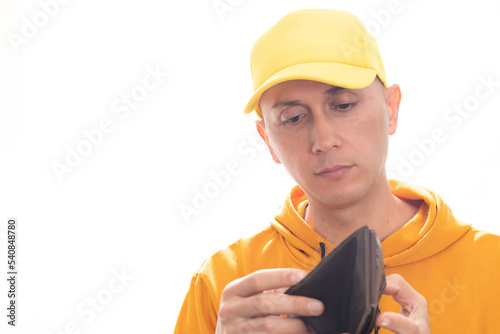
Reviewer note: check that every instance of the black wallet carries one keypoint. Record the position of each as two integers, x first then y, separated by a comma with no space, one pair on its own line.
349,281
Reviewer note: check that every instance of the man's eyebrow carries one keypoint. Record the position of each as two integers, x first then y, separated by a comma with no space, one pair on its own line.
333,90
287,104
330,91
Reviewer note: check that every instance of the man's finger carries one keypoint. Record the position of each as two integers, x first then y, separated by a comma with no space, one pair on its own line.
404,294
263,280
278,304
413,317
400,324
270,325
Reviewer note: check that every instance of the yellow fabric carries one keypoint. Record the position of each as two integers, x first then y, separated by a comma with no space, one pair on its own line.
455,267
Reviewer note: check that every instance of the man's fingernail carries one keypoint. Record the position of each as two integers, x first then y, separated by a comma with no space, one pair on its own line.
385,322
315,307
297,277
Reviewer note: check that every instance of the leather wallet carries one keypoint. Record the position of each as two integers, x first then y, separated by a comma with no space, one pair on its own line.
349,281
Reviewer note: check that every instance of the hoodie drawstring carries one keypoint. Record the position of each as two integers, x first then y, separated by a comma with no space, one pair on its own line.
322,245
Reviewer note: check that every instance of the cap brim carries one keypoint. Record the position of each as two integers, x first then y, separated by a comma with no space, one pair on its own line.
341,75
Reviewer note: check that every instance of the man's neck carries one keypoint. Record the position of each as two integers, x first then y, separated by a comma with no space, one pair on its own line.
382,212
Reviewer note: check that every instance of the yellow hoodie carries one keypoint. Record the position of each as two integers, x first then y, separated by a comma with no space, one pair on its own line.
455,267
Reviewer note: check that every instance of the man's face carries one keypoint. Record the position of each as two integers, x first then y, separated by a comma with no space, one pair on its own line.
333,141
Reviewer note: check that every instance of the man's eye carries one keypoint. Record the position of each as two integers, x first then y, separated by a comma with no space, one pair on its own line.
344,106
293,119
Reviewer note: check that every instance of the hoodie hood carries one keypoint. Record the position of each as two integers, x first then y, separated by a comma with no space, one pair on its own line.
431,230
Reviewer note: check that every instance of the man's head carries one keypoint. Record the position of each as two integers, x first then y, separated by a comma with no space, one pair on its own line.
326,111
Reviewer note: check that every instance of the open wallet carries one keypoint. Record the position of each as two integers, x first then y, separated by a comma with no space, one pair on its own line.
349,281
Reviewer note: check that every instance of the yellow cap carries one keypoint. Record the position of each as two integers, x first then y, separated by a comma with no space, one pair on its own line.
325,45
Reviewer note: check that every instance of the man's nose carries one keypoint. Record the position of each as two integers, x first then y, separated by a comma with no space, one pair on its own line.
324,135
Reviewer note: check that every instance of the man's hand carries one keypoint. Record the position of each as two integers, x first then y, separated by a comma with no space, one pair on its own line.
414,317
254,303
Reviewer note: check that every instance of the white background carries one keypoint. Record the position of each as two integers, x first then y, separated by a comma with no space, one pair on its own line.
118,210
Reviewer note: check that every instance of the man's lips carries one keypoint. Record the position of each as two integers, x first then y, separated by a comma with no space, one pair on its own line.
334,172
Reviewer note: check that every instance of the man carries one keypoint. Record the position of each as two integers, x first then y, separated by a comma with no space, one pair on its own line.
326,112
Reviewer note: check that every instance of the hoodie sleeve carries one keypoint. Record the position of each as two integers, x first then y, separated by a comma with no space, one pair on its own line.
198,313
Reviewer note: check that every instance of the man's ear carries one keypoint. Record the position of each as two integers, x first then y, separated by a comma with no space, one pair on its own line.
393,99
261,129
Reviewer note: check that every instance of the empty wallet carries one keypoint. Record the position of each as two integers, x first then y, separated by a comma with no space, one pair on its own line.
349,281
